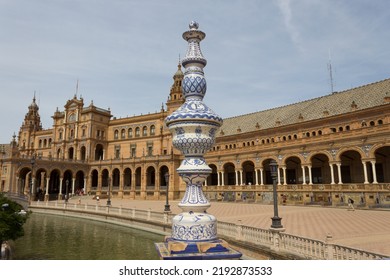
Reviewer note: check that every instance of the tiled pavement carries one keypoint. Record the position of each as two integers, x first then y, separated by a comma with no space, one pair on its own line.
362,229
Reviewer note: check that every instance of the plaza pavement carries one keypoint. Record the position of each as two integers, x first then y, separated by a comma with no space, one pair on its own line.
364,229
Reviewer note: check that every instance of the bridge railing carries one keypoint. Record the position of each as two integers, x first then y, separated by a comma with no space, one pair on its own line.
274,241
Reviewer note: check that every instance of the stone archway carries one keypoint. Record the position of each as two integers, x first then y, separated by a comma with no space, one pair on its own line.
138,177
127,178
79,183
248,168
163,170
212,179
294,170
99,152
229,174
54,184
382,165
94,178
351,167
116,175
150,178
320,169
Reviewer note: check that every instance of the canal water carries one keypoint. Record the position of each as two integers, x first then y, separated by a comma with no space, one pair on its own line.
51,237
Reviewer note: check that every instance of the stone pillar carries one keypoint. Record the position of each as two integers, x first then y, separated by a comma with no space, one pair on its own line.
42,180
303,175
60,193
237,183
85,186
241,178
331,174
310,176
47,189
365,172
339,173
133,184
374,172
73,185
257,177
218,178
223,178
279,176
33,182
261,177
100,183
284,175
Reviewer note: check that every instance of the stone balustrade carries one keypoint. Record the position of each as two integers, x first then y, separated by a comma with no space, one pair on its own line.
278,243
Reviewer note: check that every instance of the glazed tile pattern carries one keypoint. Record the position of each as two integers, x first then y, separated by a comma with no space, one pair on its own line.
193,128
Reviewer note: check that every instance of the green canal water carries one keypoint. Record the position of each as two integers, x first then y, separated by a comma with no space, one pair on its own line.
51,237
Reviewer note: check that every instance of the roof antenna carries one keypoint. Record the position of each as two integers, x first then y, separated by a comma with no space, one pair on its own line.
330,74
77,87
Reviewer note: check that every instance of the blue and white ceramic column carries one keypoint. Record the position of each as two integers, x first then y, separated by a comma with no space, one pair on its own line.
193,127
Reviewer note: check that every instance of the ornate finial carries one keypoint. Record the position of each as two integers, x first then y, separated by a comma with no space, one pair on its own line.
194,25
193,127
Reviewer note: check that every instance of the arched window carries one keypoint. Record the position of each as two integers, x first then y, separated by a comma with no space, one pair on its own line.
137,132
144,131
130,133
123,134
116,133
152,130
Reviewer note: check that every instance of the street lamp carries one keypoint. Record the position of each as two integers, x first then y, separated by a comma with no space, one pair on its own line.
167,206
66,192
276,220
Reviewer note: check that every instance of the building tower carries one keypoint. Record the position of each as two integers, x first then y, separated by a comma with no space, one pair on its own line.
31,124
193,127
175,99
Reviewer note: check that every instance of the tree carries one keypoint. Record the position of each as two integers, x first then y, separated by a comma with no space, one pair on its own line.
12,219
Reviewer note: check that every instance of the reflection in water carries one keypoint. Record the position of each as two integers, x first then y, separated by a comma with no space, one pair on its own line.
50,237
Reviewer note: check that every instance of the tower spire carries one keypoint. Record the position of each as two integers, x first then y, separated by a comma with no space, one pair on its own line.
175,99
330,74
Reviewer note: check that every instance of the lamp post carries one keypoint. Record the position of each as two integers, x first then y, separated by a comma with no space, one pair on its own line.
66,191
167,206
32,179
276,220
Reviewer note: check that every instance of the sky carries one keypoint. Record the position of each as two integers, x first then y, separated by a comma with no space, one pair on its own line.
123,54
